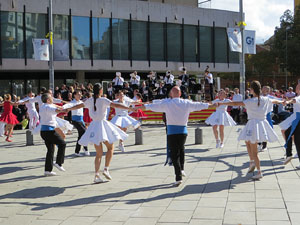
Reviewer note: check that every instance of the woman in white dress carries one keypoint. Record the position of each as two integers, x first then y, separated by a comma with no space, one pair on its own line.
257,128
220,118
100,130
122,119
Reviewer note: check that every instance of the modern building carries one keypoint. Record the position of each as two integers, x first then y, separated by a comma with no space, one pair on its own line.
296,3
106,36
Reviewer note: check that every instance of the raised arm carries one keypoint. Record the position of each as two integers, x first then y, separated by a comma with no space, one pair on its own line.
277,102
231,103
120,106
79,106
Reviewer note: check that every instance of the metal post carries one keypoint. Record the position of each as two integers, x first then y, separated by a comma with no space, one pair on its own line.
51,67
242,55
138,136
29,138
286,58
198,136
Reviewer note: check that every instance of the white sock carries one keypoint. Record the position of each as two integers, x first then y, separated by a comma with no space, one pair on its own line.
106,168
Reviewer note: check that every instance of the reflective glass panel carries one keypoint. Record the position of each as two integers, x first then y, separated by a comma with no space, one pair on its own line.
35,28
101,38
32,85
61,27
174,42
157,41
18,88
220,45
5,87
234,57
139,40
190,43
120,39
205,44
12,35
80,37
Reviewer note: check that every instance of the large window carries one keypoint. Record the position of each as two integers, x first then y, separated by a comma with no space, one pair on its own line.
18,88
101,38
120,39
139,40
234,57
32,85
205,44
35,28
174,42
157,41
12,35
81,37
220,45
61,27
190,43
5,87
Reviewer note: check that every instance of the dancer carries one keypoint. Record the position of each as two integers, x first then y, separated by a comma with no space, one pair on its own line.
291,126
100,130
177,113
257,128
8,117
32,112
220,118
139,114
86,116
122,119
48,112
77,121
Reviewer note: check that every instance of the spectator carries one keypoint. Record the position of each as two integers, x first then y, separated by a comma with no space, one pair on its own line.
161,91
134,80
168,80
210,80
290,94
127,90
118,82
236,110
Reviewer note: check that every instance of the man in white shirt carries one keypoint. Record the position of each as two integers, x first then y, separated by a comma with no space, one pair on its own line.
135,80
235,111
209,78
169,80
31,110
118,82
177,112
290,94
48,112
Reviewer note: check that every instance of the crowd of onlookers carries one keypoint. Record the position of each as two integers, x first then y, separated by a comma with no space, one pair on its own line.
157,87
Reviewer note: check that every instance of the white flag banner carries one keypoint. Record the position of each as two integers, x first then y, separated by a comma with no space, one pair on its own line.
235,39
249,42
41,49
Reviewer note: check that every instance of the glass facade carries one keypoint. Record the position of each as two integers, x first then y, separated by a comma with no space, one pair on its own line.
101,38
174,42
12,35
139,40
80,37
157,42
60,27
205,44
32,85
5,87
190,43
220,45
117,46
18,88
35,28
120,39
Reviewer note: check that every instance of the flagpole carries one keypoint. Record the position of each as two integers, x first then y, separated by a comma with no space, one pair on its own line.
242,55
51,66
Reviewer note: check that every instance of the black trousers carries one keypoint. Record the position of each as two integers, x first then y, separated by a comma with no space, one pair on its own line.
176,145
290,142
52,138
211,91
81,129
235,114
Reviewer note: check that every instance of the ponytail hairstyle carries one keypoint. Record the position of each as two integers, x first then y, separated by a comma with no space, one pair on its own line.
255,85
96,89
7,97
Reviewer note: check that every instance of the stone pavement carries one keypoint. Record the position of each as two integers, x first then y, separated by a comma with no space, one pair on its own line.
217,189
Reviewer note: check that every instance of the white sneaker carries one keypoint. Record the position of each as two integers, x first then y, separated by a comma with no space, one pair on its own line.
251,167
177,183
183,173
60,168
287,160
49,173
77,154
87,153
264,149
296,155
97,179
218,144
221,145
107,175
121,147
257,176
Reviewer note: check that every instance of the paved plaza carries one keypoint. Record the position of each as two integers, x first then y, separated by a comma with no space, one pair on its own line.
217,189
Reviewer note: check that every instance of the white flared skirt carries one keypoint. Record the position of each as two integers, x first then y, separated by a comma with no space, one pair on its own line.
64,125
284,125
125,121
258,131
101,131
220,118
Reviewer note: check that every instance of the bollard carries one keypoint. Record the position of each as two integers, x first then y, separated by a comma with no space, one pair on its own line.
29,138
138,136
198,136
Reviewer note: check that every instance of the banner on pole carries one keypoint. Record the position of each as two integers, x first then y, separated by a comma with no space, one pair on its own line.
41,49
235,39
249,42
61,50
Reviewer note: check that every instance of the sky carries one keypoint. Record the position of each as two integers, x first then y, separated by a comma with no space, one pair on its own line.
260,15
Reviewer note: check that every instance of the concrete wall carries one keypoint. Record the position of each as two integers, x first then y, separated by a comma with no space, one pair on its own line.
122,9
